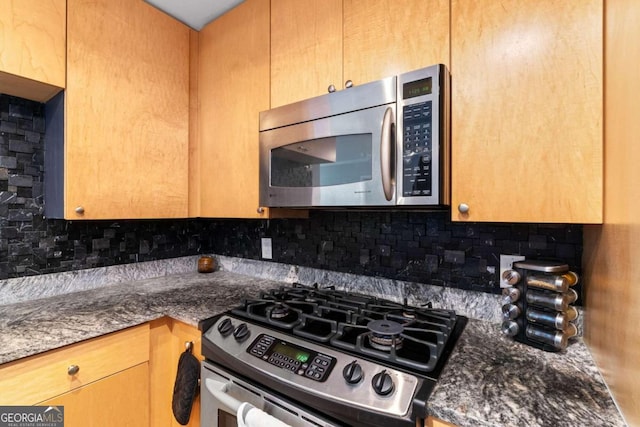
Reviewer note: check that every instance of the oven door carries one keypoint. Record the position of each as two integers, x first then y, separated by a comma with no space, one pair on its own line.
226,401
342,160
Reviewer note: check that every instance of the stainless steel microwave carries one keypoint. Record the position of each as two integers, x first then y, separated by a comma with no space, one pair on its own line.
384,143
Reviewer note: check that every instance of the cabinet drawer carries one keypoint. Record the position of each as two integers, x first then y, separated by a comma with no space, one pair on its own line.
34,379
119,400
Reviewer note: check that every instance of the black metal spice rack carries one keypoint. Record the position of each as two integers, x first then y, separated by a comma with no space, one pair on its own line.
547,337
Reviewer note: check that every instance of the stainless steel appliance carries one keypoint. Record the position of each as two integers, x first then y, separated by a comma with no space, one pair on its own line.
384,143
321,357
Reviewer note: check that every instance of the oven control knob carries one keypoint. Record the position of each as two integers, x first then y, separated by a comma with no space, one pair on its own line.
352,373
382,383
225,327
241,332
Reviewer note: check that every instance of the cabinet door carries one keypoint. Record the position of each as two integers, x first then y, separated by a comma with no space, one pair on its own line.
233,87
127,111
32,48
119,400
306,49
168,339
527,110
383,38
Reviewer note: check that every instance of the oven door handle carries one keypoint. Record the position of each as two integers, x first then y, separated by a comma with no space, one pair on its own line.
250,415
219,391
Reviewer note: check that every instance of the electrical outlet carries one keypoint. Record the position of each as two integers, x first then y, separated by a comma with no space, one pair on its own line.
506,263
267,249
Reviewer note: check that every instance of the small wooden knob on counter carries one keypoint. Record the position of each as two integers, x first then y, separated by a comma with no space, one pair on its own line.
206,264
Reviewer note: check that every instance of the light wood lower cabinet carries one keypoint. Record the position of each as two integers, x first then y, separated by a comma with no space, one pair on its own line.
168,338
433,422
119,400
37,378
101,382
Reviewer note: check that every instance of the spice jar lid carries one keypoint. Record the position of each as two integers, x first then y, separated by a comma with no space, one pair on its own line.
542,265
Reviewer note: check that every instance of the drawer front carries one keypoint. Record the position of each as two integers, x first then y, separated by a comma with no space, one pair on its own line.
120,400
40,377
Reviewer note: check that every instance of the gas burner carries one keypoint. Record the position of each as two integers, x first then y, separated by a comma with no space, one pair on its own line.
385,334
279,311
409,313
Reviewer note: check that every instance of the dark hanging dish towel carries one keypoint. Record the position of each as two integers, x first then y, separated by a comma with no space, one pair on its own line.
185,388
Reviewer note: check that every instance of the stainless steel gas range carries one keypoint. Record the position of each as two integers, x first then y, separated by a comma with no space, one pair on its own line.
309,356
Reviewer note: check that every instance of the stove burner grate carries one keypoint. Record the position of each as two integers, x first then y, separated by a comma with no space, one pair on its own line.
404,336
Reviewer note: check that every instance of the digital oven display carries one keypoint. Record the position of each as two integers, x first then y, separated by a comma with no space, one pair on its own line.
292,352
417,88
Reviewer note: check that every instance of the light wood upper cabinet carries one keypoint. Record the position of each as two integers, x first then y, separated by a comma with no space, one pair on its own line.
306,49
317,44
527,110
32,48
126,112
233,87
383,38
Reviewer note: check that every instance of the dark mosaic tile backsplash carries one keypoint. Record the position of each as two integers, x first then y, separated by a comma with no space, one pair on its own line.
418,246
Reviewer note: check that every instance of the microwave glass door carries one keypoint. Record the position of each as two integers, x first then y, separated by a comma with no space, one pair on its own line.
334,161
323,162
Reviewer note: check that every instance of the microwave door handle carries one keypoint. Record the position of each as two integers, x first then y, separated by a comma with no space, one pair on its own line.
386,153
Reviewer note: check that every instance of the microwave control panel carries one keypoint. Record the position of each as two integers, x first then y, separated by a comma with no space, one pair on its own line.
422,157
417,149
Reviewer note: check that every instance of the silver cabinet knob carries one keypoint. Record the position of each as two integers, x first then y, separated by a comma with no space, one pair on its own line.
79,210
348,84
73,369
260,210
331,88
463,208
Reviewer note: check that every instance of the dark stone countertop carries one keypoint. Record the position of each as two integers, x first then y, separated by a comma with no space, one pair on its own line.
33,327
489,379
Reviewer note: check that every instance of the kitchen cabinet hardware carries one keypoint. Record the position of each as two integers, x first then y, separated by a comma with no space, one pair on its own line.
463,208
260,210
73,369
348,84
79,210
331,89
